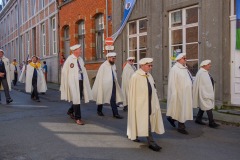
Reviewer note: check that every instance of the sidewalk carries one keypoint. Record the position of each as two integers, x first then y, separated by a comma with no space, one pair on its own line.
224,116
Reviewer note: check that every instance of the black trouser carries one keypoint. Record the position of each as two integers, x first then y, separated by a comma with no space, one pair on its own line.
112,102
150,137
15,78
209,113
180,125
35,91
76,108
5,86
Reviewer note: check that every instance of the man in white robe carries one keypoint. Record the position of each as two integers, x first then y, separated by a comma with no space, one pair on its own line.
127,73
14,71
106,88
144,113
75,83
35,82
203,94
179,101
22,77
5,80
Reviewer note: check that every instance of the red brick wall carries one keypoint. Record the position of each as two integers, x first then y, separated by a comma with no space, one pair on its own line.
76,10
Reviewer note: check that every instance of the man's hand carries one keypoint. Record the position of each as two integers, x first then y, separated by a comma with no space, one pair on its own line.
2,74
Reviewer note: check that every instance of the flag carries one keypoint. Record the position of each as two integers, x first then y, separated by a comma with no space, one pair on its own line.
238,24
128,7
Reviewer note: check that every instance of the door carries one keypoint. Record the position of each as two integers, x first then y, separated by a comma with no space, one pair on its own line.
235,65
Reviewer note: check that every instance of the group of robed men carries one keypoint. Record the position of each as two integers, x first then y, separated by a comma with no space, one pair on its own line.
31,74
138,93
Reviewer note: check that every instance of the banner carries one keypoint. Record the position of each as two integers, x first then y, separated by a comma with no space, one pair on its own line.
128,7
238,24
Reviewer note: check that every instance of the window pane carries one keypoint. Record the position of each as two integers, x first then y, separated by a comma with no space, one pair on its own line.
143,42
192,15
142,54
192,34
133,43
143,26
176,19
192,51
177,37
132,28
193,67
133,54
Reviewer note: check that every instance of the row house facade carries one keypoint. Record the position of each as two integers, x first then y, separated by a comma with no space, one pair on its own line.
202,29
29,27
87,23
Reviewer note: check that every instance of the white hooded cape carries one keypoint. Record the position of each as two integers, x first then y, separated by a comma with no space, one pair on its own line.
41,83
22,77
70,82
8,72
126,76
138,111
179,102
102,87
203,92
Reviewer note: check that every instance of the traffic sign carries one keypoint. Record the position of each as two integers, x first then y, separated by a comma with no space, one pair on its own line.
109,41
109,48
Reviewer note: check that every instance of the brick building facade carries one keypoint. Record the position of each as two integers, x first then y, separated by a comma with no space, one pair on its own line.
29,27
88,23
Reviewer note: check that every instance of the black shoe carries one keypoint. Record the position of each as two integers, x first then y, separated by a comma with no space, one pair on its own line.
125,109
154,147
37,100
9,101
171,121
100,113
118,116
183,131
214,125
200,122
136,140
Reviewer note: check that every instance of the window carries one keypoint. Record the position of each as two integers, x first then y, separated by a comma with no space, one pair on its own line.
26,10
43,39
41,4
16,12
54,36
33,7
22,48
66,41
81,36
28,43
137,39
183,36
99,31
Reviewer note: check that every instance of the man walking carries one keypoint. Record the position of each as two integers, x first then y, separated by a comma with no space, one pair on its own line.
14,71
127,73
179,102
75,83
35,82
5,80
106,88
45,70
203,94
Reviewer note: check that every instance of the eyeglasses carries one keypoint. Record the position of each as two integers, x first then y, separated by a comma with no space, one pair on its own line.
184,58
131,60
113,57
150,65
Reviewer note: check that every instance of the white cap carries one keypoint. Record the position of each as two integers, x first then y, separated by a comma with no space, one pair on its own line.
111,54
29,59
129,58
205,62
76,46
181,55
145,61
1,51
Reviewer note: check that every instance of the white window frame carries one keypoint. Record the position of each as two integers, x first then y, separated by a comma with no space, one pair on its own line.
43,39
137,35
183,27
54,35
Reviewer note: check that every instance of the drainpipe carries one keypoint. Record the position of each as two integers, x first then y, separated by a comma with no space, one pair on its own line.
58,31
106,18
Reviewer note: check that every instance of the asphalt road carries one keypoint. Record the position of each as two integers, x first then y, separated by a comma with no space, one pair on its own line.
42,131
